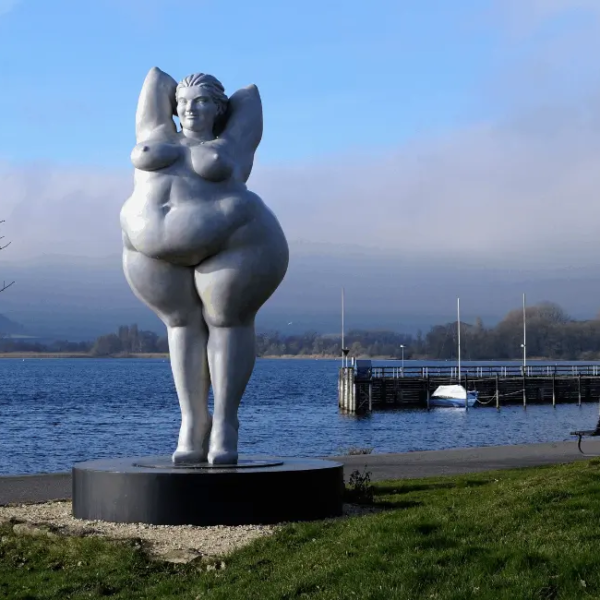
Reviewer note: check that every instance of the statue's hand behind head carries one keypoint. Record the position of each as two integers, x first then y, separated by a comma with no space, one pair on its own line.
244,126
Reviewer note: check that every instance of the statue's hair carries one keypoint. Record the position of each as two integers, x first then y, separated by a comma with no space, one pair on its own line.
213,86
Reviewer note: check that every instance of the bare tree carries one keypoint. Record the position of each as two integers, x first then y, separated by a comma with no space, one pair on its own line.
4,284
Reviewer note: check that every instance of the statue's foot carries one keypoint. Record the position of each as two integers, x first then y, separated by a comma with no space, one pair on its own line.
193,443
223,444
187,457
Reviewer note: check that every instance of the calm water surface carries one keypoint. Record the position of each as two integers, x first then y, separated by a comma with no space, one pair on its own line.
54,412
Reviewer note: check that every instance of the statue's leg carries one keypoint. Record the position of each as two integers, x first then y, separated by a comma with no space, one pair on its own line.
233,285
170,292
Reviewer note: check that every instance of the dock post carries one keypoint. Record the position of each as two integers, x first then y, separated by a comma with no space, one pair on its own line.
352,389
351,398
497,392
524,389
579,389
341,396
428,393
347,398
554,390
347,394
370,394
466,392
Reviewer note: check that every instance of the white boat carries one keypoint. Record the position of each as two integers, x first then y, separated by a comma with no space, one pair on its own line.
453,396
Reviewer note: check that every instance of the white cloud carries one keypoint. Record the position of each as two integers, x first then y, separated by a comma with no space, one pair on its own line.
520,192
55,210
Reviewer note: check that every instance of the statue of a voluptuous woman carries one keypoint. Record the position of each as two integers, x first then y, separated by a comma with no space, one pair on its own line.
201,250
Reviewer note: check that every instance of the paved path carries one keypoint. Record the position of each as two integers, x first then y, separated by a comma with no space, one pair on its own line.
55,486
412,465
34,488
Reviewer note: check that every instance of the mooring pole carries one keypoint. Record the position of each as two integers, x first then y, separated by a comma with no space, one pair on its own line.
497,391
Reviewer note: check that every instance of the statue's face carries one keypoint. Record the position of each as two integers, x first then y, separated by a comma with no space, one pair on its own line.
196,109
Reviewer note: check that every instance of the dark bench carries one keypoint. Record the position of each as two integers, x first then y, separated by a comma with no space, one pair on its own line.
587,433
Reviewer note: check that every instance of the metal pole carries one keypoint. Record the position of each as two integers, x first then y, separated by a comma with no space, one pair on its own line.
343,346
458,327
524,335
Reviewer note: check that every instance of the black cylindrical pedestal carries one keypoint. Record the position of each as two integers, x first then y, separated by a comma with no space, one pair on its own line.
259,490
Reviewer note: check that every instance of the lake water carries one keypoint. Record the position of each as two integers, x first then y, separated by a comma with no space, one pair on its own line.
54,412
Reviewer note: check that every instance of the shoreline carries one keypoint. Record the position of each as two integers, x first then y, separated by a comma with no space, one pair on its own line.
48,486
165,355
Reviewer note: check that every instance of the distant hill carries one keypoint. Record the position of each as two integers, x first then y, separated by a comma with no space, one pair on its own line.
8,327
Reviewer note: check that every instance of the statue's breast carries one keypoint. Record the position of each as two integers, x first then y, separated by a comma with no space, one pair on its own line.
151,156
211,161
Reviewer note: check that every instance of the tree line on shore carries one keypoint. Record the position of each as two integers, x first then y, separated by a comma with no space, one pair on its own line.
551,334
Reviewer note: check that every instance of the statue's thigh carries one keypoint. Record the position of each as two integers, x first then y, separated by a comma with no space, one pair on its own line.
234,284
167,289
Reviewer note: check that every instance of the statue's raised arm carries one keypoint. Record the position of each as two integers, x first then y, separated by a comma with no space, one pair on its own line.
244,127
156,106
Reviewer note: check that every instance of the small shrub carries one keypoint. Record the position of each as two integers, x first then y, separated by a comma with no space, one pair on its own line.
359,489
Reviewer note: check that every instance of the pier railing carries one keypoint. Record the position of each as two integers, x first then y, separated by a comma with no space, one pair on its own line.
474,372
367,387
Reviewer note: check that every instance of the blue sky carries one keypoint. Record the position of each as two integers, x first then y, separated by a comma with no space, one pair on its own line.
334,75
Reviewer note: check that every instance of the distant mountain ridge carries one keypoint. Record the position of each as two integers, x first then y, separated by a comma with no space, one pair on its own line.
9,327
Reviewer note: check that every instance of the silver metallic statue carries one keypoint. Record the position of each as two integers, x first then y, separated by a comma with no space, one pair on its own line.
201,250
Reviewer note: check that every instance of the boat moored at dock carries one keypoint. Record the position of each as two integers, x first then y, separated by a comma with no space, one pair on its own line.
453,396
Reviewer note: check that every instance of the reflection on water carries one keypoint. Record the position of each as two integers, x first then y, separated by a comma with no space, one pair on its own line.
55,412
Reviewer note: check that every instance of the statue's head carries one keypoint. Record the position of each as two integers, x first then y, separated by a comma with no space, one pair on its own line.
201,102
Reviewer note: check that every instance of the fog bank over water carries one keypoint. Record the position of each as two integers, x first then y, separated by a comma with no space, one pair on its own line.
82,297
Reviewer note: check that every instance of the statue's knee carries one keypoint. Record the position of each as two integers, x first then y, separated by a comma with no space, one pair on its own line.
181,319
222,319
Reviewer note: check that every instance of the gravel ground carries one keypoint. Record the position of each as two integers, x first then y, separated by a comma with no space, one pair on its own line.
181,543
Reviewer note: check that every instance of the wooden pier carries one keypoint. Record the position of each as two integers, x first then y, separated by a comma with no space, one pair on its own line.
363,388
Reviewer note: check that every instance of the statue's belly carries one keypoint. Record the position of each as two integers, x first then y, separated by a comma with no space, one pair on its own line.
184,226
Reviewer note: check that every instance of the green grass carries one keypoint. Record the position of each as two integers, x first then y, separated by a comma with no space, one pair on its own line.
522,534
